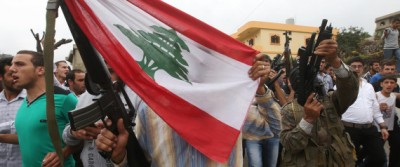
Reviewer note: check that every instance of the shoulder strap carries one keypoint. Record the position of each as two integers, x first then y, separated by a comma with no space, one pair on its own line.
48,54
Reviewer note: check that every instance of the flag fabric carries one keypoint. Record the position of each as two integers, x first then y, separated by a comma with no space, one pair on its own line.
192,75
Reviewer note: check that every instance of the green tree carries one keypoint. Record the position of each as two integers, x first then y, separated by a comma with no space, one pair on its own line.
350,40
162,50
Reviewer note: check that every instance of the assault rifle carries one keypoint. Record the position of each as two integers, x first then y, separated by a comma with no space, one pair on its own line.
287,53
276,65
309,65
109,104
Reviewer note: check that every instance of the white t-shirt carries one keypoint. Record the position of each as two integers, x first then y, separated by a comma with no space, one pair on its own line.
389,114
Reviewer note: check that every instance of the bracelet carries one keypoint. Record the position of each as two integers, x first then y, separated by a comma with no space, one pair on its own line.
265,94
384,127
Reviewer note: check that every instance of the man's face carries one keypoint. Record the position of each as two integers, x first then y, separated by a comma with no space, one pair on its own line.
329,71
24,73
376,67
8,80
396,24
78,85
358,68
389,69
388,85
62,70
322,65
283,75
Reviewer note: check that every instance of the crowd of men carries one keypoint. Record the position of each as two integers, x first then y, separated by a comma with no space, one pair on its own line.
348,126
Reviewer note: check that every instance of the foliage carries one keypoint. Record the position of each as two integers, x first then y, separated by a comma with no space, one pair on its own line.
350,39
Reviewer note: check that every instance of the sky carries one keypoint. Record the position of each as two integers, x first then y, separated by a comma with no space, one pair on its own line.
17,17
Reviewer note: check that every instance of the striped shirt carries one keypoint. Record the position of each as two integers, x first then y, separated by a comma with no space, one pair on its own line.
264,120
10,153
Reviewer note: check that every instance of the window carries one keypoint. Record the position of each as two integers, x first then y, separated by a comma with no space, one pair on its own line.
275,40
251,42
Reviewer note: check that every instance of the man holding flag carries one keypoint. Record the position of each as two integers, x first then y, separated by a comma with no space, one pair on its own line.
166,148
193,78
177,64
169,149
182,154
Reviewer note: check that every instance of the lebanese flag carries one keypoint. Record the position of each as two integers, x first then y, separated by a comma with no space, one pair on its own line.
192,75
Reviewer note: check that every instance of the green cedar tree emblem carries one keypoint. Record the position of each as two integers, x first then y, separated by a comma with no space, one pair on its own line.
162,50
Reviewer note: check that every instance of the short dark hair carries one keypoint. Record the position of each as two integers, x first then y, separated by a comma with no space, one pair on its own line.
356,59
60,61
371,62
37,57
5,61
389,76
71,75
388,62
396,19
327,66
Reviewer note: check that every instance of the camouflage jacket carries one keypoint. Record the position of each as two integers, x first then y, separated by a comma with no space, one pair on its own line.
327,145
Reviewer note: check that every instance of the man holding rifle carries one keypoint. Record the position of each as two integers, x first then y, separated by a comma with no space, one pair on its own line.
313,135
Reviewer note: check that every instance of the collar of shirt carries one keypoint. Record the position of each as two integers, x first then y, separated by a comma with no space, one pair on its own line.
21,95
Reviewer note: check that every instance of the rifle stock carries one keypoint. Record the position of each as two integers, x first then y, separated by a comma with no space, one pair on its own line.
309,65
110,104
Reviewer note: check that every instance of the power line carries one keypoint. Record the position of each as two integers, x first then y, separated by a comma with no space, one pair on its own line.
251,12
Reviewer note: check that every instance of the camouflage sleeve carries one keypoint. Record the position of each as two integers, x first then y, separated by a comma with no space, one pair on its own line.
292,137
263,120
346,93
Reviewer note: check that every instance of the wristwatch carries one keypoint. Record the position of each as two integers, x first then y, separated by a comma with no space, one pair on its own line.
383,127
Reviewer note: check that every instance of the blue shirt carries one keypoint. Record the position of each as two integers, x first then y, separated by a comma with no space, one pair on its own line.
375,78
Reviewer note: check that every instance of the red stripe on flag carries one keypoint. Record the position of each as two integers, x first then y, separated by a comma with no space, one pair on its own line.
207,134
197,30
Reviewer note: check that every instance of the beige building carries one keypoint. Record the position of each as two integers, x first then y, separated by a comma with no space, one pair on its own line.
268,37
384,22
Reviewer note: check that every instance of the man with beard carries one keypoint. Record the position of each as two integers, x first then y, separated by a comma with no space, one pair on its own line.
10,100
76,81
374,68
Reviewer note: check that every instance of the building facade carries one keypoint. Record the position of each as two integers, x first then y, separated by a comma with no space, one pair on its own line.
269,38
